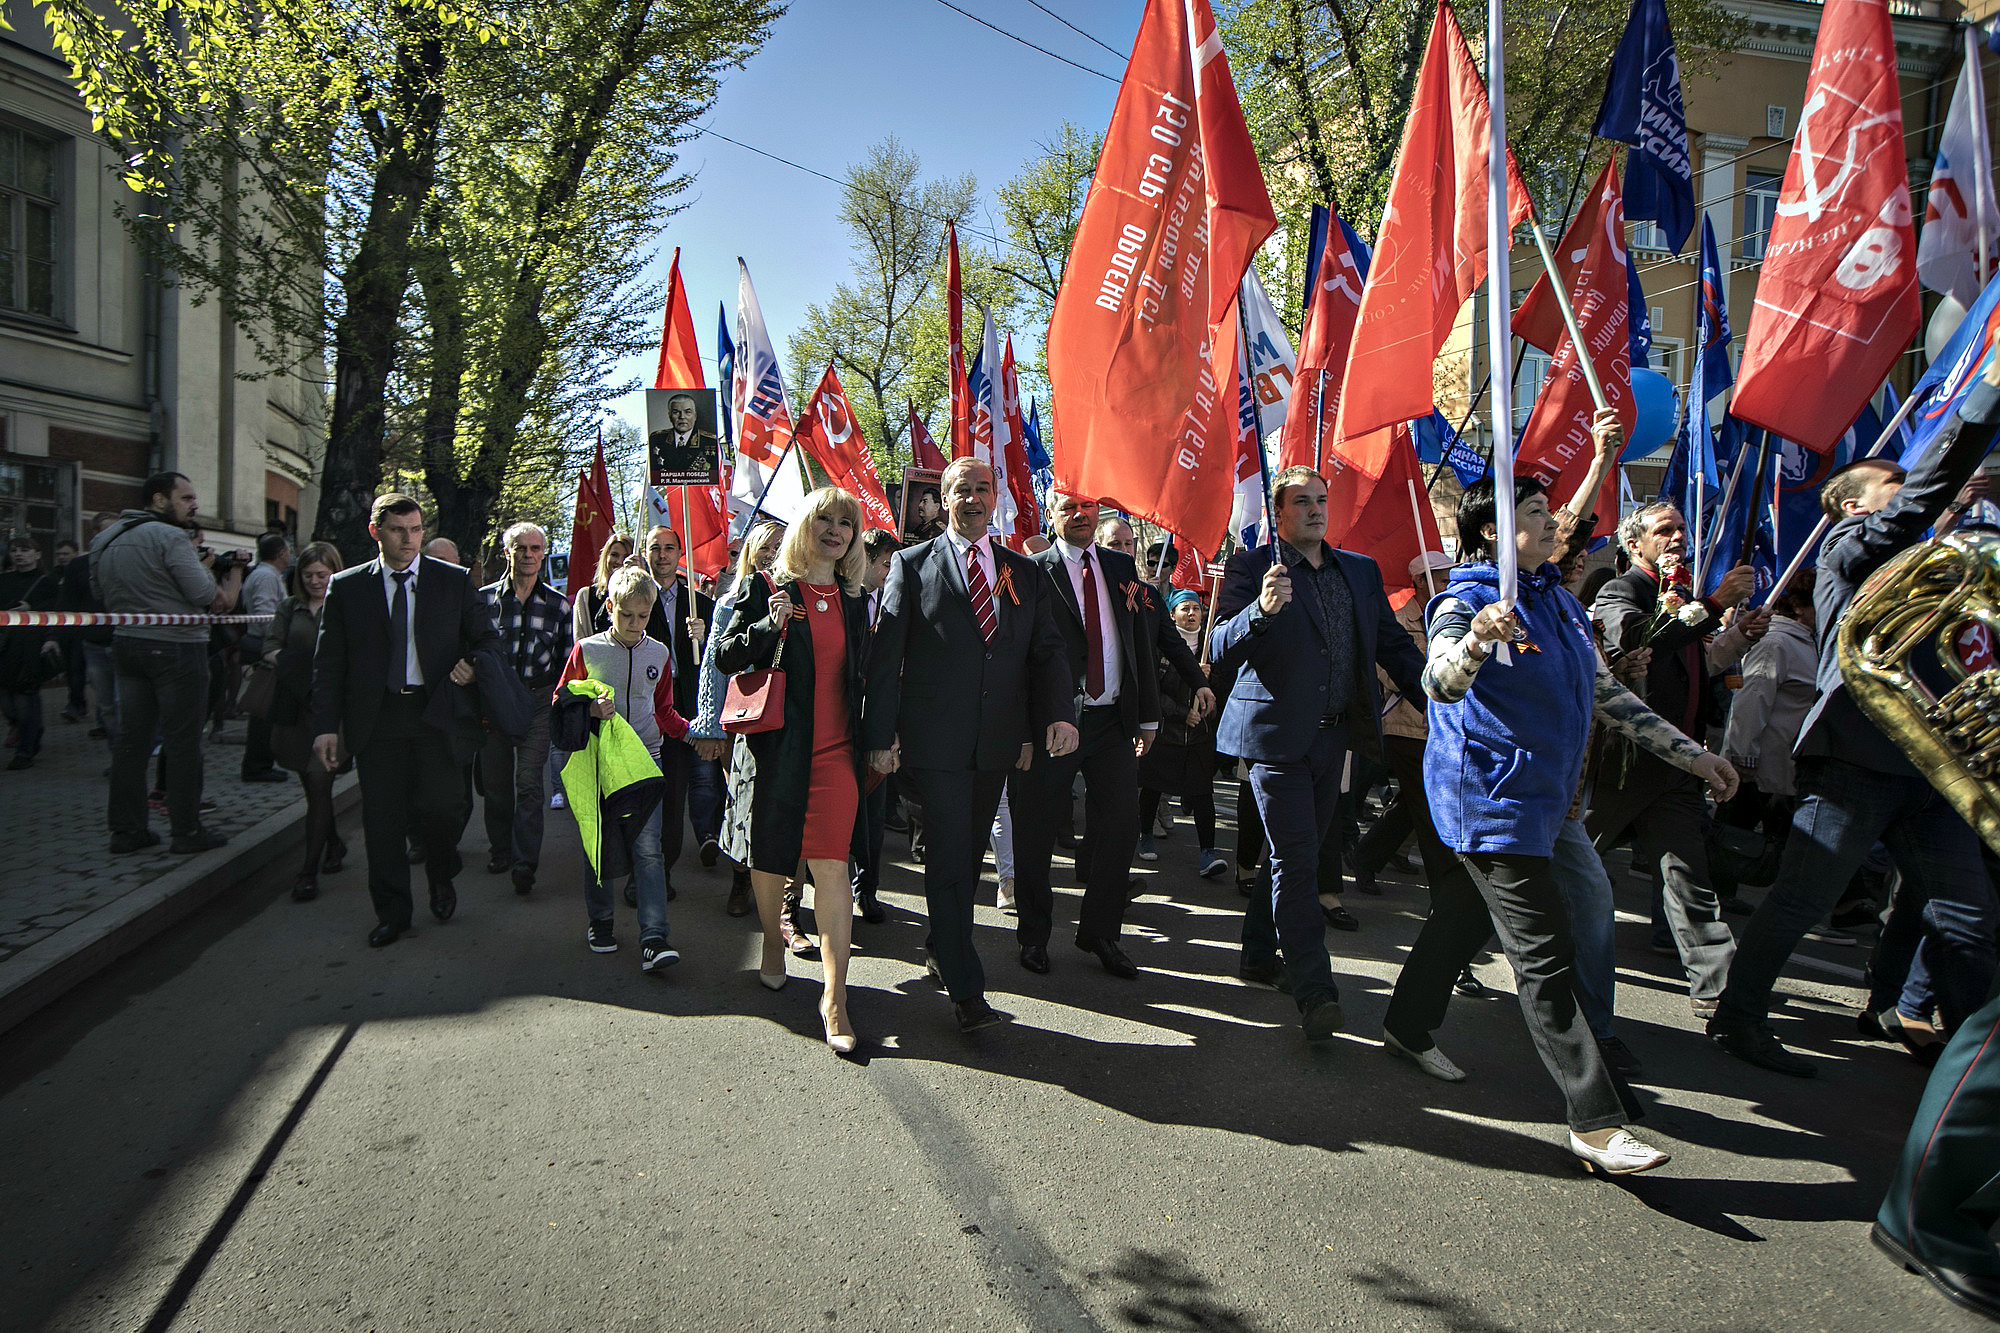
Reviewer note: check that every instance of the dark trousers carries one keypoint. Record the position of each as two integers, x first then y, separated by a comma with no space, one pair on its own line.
1110,772
1664,810
1453,935
75,674
958,806
676,760
707,794
515,801
163,690
1525,905
1845,809
867,846
1405,758
409,783
1945,1198
257,756
1296,802
23,709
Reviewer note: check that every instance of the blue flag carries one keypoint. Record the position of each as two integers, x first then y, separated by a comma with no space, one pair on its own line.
1639,317
1727,528
1951,376
725,373
1031,432
1642,107
1797,473
1713,316
1437,442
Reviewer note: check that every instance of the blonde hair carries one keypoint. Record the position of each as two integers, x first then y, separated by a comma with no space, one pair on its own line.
795,556
754,546
603,579
630,584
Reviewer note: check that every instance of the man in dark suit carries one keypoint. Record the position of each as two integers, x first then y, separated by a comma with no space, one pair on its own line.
694,785
1303,627
1856,784
967,673
394,632
1102,610
1663,808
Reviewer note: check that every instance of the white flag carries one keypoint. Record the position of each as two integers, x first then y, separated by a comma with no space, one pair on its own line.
990,431
1273,363
1961,207
782,490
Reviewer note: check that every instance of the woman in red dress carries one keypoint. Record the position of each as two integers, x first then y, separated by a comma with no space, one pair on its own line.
794,790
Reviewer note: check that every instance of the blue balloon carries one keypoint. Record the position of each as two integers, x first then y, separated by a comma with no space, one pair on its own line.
1653,406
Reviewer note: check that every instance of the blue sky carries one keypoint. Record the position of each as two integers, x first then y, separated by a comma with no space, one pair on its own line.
835,77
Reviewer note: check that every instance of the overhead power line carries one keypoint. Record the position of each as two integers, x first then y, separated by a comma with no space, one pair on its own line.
1073,28
1016,37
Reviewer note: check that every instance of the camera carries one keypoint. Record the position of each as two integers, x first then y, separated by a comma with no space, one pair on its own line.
227,561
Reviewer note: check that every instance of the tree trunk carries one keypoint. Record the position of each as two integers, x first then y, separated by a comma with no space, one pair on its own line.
444,312
364,338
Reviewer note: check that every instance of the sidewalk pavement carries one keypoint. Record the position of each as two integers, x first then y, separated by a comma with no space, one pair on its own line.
68,908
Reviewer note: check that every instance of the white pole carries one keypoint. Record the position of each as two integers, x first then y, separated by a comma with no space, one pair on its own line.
1417,513
1499,291
1982,167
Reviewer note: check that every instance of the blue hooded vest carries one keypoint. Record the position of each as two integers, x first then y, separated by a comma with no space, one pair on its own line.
1503,763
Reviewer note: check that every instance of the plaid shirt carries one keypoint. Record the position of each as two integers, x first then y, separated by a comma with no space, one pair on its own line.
537,632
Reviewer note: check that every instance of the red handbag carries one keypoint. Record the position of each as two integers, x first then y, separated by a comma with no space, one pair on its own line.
755,700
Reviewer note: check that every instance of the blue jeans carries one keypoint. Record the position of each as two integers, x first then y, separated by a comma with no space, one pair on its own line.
649,879
1296,802
706,797
163,688
515,797
1586,894
1845,810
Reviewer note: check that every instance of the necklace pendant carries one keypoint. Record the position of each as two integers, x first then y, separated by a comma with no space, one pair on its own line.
820,605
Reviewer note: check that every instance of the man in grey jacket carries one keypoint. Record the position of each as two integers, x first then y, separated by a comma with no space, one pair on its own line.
145,563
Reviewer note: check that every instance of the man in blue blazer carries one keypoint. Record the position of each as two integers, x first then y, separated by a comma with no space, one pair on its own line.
1303,626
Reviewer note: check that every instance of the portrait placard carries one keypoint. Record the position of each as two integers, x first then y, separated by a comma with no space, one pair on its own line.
681,445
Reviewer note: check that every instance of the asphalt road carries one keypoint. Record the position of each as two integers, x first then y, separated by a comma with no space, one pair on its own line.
261,1124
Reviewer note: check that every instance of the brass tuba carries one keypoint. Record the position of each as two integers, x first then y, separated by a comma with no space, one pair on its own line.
1928,596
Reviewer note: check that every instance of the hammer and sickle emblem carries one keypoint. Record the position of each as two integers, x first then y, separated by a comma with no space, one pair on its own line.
1815,196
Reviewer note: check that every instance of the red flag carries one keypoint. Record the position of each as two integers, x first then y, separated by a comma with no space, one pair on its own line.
1323,347
1431,252
1590,262
1837,296
961,389
1142,344
1387,518
834,442
1188,566
680,355
923,449
696,515
1027,510
593,524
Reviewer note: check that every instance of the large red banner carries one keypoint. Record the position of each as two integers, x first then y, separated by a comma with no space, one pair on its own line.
593,523
1311,422
1141,347
834,442
1837,296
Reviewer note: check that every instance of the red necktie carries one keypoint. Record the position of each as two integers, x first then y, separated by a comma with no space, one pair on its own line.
1093,633
982,597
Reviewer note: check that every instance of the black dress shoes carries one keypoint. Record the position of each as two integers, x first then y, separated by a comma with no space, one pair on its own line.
444,900
1975,1291
1321,1019
1339,918
384,934
499,863
871,907
976,1014
1035,957
1260,972
1108,953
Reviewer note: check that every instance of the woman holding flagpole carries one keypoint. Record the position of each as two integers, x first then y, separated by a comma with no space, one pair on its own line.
1502,771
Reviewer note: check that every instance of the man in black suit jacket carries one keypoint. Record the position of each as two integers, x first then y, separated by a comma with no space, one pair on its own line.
694,785
1664,809
967,672
1102,609
395,631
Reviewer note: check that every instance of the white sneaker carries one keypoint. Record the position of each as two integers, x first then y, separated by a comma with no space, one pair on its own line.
1006,902
1432,1062
1622,1156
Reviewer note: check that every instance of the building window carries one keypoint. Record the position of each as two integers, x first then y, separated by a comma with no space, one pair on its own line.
28,213
1760,210
38,497
1528,383
1646,235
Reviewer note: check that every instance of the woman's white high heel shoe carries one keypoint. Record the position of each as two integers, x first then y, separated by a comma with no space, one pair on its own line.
1622,1156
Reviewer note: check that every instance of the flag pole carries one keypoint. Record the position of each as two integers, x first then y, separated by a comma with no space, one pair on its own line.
1722,510
1570,325
1819,530
1418,514
1982,154
1499,290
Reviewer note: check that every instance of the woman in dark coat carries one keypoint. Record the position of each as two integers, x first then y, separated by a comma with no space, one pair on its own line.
1182,760
288,649
794,790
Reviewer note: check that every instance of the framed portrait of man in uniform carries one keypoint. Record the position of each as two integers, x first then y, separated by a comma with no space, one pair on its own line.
922,514
681,447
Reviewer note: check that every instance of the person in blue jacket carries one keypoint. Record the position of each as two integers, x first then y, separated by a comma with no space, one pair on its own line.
1503,770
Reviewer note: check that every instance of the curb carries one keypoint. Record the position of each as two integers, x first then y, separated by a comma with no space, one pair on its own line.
44,971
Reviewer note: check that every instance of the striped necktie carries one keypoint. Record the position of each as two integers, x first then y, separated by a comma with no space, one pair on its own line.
982,596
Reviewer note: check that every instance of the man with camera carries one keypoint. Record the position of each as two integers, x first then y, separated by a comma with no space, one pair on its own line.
144,563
